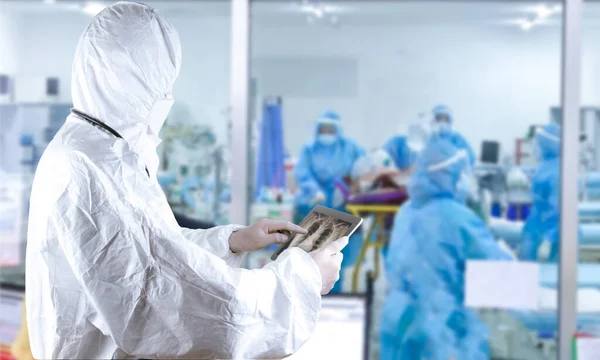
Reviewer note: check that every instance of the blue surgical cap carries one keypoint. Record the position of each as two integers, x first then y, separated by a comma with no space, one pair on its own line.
437,170
330,118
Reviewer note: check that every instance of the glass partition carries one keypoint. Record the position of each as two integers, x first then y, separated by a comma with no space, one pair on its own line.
588,293
37,44
435,122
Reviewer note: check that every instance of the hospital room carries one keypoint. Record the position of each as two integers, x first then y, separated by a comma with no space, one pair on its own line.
453,147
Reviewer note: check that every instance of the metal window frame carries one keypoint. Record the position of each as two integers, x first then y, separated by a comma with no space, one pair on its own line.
240,95
569,217
570,103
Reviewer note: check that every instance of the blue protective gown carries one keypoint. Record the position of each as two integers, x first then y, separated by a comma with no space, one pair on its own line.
398,149
453,136
544,218
317,170
424,316
320,166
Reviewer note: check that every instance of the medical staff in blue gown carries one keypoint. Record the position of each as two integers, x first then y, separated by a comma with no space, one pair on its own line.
324,161
434,235
400,152
442,125
540,233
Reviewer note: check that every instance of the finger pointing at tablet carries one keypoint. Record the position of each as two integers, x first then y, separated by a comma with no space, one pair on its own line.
277,226
262,234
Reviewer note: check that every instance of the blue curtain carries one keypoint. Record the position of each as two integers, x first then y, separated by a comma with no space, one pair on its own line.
270,168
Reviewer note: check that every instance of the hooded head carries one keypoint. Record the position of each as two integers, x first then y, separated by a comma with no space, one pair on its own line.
441,119
438,170
328,129
547,139
442,113
125,65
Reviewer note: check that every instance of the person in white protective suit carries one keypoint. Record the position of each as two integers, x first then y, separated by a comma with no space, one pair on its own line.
110,274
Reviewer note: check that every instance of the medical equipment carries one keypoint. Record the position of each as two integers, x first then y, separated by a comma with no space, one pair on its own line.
589,244
490,152
25,130
590,186
342,330
194,171
29,154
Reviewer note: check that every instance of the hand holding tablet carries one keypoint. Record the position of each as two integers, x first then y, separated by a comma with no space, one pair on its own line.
324,226
329,260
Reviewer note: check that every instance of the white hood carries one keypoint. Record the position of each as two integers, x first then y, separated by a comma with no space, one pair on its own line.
122,67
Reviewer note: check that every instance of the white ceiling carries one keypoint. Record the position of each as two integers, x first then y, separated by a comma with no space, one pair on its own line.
354,13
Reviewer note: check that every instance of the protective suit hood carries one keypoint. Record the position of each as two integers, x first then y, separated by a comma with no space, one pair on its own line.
443,110
126,60
436,173
548,141
330,118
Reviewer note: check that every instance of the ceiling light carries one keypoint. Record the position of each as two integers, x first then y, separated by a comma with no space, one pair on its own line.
93,8
49,1
526,25
544,11
319,12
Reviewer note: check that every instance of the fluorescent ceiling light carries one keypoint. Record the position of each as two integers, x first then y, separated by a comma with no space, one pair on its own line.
527,25
93,8
545,11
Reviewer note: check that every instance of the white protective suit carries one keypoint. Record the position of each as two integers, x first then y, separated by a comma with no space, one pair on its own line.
110,274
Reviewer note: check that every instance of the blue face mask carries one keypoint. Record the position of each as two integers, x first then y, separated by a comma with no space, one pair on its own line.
326,139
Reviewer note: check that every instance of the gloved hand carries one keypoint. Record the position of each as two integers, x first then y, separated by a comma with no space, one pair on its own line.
329,260
262,234
318,198
543,252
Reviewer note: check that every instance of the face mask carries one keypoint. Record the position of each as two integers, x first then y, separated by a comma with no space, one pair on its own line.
441,128
159,113
326,139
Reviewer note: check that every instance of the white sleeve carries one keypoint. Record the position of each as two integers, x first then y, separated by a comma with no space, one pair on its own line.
158,297
216,241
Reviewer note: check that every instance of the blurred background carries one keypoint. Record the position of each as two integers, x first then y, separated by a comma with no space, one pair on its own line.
378,77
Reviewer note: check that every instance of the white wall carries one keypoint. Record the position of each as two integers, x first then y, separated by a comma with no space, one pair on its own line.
8,47
498,79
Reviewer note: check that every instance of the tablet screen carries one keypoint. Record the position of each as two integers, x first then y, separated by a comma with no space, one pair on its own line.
324,226
322,230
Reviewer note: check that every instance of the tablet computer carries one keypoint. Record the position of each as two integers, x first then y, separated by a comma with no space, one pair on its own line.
324,226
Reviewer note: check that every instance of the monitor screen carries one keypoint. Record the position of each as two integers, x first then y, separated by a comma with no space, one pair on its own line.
490,152
340,332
